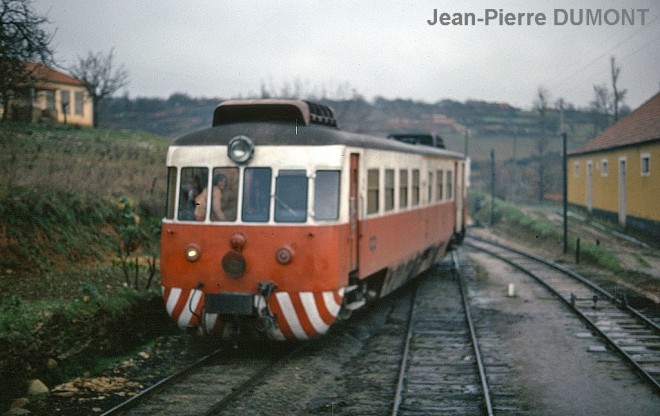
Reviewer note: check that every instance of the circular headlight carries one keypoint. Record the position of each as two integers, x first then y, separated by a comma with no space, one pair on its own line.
192,253
240,149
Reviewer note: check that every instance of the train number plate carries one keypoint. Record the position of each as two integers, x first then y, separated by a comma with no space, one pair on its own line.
229,303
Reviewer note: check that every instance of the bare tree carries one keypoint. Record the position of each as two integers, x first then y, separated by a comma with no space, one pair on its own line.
601,107
542,106
617,94
101,78
22,39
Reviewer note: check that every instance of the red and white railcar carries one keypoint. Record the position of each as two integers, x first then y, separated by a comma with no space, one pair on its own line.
278,222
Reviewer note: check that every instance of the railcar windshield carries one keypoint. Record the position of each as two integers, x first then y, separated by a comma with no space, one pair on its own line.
291,196
196,203
256,194
326,195
193,181
212,194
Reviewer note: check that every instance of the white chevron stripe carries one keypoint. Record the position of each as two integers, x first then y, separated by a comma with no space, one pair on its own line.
330,303
191,303
210,319
290,315
309,303
172,300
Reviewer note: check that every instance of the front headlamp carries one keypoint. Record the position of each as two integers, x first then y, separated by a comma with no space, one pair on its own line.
240,149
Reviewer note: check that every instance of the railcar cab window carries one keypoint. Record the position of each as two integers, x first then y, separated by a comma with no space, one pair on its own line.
256,194
193,181
225,194
326,195
291,196
171,192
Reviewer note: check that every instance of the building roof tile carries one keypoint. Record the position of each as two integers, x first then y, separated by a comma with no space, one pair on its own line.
641,125
45,76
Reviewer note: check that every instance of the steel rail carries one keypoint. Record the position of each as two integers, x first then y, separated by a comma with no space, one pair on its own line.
619,302
404,357
627,357
473,335
128,404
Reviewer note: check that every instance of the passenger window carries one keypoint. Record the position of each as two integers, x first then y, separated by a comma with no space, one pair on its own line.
256,194
225,194
403,188
449,186
372,191
193,182
415,187
430,188
326,195
440,175
389,189
291,196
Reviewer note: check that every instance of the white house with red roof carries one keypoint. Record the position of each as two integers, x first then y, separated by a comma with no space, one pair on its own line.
51,96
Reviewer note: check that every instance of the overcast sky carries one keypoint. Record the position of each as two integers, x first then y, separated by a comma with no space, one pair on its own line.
222,48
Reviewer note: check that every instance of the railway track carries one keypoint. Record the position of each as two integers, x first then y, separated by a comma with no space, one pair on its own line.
206,387
633,336
441,369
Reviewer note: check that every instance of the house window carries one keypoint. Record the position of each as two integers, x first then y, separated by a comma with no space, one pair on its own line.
372,191
78,98
403,188
603,167
65,98
389,189
646,164
576,169
415,187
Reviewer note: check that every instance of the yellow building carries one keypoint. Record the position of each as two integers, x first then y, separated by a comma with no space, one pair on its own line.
617,173
51,96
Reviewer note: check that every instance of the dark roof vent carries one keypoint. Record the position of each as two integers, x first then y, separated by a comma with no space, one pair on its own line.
426,139
291,111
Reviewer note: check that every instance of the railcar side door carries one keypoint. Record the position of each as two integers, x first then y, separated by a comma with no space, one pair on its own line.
353,214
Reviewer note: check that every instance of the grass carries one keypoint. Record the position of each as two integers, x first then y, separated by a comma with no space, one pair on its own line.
508,215
76,207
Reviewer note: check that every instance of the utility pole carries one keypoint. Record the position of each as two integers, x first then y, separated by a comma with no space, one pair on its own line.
515,166
467,140
565,191
492,187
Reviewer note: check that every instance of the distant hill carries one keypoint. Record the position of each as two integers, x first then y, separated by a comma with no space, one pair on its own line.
181,114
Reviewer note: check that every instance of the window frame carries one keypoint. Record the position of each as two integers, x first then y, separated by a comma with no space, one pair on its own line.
645,164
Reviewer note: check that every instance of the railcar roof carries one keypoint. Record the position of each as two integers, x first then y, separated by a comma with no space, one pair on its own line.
288,134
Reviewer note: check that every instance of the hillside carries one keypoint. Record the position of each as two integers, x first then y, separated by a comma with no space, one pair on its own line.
486,121
62,191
